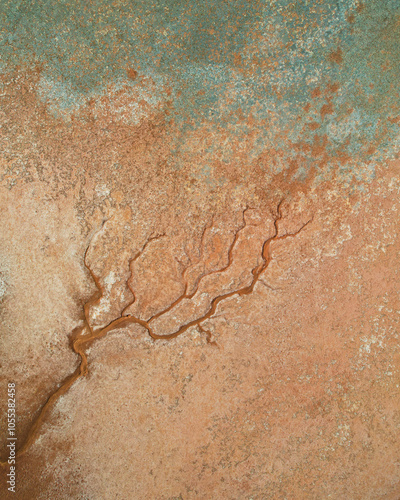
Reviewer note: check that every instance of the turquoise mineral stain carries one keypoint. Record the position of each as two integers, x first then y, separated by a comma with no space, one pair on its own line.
225,60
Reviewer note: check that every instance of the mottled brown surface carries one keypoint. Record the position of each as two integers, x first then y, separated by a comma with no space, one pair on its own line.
288,391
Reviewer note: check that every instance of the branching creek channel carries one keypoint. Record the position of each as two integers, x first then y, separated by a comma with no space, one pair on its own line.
81,342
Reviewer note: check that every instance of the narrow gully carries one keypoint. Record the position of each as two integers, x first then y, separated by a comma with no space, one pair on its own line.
81,342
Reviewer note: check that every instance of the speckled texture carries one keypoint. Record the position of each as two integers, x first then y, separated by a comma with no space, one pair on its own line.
199,257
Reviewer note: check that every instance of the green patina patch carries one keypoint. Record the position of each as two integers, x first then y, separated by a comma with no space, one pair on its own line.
308,73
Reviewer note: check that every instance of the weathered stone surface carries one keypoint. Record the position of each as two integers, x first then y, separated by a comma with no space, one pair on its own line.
199,250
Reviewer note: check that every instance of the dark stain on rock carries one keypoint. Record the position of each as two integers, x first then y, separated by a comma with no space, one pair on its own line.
336,56
132,74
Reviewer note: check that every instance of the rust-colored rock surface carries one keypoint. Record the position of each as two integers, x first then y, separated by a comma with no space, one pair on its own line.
199,252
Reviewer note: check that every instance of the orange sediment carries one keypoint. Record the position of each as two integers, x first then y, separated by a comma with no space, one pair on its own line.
81,342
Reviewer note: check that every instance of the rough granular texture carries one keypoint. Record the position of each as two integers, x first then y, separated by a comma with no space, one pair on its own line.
199,259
